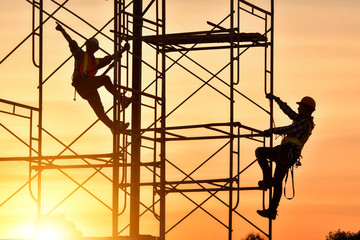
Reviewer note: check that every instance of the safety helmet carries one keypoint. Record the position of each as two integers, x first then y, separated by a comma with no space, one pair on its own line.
93,41
308,101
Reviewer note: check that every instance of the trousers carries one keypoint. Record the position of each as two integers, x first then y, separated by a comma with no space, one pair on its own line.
87,88
284,156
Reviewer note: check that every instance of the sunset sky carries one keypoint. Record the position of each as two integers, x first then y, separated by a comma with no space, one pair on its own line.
316,54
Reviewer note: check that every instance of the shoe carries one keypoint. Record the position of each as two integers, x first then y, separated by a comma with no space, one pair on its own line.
126,102
267,213
264,185
120,127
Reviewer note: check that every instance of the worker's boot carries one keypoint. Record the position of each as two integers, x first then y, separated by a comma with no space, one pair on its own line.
267,181
268,213
120,127
265,185
126,102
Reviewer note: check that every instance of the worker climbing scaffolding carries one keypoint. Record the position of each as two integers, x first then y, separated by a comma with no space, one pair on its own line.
288,152
86,82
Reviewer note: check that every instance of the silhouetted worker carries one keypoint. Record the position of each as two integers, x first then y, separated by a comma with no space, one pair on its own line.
85,81
288,152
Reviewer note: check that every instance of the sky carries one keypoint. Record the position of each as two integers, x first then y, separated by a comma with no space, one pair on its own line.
316,54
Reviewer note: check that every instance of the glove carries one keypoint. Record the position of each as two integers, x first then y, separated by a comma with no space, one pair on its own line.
116,55
267,133
59,27
271,96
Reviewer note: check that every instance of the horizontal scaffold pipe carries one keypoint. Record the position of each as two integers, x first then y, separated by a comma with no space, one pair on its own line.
15,104
208,181
37,158
212,127
180,49
207,125
82,166
130,37
140,92
211,137
215,189
255,7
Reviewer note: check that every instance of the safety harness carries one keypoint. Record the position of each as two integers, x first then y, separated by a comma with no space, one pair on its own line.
87,66
299,144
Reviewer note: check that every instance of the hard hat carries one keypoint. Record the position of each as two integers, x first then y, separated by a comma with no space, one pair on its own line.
93,41
308,101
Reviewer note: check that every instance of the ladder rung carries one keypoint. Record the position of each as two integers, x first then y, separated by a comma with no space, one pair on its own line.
151,148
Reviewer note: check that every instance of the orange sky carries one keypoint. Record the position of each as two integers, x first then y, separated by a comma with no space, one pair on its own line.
316,54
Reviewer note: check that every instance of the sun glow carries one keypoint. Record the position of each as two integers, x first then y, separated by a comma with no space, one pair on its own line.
47,232
55,228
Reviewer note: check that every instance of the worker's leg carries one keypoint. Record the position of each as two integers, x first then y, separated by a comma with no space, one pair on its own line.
88,91
99,81
280,172
105,81
95,103
262,156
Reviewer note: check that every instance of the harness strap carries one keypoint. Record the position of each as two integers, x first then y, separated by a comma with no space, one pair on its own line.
86,60
291,170
295,141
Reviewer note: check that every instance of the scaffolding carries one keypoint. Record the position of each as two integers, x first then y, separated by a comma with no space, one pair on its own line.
147,177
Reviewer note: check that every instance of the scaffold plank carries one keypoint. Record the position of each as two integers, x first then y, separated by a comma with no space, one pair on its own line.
204,37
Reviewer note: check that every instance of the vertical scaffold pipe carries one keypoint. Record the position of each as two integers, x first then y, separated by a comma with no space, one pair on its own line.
163,126
136,119
39,65
271,91
231,155
115,184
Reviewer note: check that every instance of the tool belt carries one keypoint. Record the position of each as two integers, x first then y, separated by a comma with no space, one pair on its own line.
289,153
81,89
77,78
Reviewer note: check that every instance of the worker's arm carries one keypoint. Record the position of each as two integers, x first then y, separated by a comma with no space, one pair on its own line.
104,61
301,125
76,51
107,60
64,33
117,55
284,107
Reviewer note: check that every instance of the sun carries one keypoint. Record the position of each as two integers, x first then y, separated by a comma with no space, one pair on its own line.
47,232
54,228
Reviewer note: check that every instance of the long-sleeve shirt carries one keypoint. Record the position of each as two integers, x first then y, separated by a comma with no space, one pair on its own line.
300,127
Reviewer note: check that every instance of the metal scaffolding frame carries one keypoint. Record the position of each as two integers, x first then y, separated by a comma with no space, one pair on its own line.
130,22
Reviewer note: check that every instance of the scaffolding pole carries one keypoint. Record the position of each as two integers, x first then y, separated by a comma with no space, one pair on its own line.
136,117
